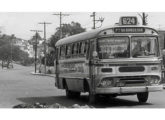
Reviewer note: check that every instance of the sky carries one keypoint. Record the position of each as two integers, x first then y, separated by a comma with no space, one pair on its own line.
20,23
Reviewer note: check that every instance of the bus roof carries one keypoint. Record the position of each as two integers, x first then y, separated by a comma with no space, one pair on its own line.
87,35
78,37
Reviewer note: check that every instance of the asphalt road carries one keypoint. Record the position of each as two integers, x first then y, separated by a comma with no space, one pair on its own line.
19,86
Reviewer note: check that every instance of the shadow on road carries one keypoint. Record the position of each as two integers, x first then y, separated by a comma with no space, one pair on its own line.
102,102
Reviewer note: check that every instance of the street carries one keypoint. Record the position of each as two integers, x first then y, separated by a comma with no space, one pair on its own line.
18,86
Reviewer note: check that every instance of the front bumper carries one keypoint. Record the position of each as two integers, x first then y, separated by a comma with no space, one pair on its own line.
122,90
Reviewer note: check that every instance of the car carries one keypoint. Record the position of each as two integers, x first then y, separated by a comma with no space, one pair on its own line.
7,64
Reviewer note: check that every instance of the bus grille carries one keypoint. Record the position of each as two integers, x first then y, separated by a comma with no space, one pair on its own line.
131,69
133,80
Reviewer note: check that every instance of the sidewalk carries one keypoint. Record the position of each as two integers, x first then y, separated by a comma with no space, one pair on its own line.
43,74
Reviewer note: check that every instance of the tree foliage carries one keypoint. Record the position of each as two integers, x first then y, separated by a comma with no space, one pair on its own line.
67,30
6,49
33,39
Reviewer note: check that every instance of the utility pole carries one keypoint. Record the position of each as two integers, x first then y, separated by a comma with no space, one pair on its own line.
45,23
164,41
61,15
35,46
94,20
11,50
144,18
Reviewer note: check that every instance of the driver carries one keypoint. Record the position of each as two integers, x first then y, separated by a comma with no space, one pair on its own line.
138,50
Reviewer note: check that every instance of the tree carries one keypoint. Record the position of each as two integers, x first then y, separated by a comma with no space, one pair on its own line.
5,50
33,39
5,47
67,30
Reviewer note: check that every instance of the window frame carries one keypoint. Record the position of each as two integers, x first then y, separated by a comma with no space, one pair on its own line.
129,43
156,43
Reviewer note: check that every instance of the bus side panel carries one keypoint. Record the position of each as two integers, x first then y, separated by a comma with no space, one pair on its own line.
74,73
75,84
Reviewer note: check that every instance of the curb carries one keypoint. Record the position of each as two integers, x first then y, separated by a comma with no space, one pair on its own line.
42,74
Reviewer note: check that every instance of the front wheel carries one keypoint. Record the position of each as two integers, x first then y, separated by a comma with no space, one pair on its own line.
142,97
72,94
92,98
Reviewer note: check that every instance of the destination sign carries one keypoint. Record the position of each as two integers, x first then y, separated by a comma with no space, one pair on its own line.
129,20
129,30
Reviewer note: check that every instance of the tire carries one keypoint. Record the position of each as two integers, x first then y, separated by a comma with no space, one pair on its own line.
71,94
143,97
76,94
92,98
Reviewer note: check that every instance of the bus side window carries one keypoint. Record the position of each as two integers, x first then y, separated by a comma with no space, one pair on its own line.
82,49
73,46
77,50
68,51
80,45
74,49
62,52
86,47
59,53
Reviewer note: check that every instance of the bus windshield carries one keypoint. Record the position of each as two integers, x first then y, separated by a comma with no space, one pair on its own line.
113,47
143,47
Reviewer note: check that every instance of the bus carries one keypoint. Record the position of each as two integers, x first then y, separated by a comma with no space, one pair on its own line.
123,59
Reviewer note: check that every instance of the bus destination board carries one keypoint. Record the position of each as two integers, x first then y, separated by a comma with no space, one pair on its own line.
129,30
129,20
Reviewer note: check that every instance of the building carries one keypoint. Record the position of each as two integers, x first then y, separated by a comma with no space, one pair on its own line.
24,45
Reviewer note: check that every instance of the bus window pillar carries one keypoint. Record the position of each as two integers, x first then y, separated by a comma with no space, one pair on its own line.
92,61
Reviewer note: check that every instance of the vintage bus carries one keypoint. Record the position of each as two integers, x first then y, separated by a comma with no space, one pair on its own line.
123,59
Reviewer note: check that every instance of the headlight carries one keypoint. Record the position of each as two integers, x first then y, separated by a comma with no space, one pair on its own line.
153,80
106,82
154,68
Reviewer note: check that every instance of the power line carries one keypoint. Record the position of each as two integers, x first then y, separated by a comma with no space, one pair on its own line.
45,23
61,15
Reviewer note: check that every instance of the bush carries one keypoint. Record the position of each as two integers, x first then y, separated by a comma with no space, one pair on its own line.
49,60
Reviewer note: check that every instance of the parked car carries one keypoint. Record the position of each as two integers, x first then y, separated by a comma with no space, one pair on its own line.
7,64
